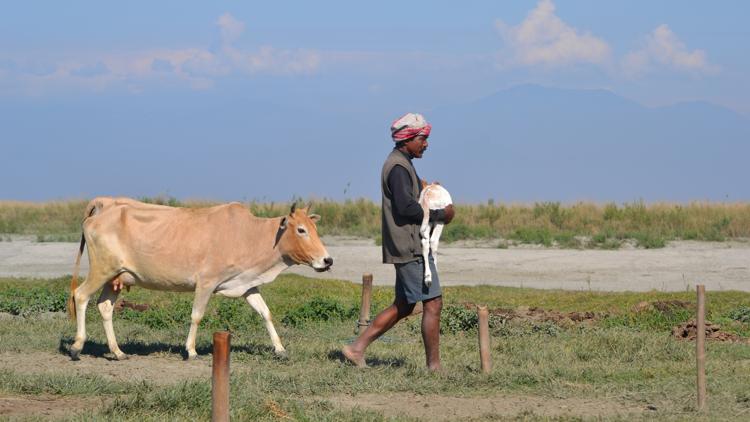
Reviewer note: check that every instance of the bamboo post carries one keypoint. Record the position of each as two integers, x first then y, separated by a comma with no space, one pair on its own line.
484,339
700,347
364,310
220,377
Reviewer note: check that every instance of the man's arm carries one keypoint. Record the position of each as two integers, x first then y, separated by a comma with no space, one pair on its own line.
405,205
399,182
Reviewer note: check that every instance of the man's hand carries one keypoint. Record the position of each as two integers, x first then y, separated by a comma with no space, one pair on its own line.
449,213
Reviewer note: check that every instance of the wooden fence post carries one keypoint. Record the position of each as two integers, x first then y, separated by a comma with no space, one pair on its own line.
364,309
484,339
700,347
220,377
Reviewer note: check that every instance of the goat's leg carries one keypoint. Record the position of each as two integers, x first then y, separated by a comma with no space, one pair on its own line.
435,240
424,234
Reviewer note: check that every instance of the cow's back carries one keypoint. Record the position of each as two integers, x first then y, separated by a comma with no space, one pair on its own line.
165,248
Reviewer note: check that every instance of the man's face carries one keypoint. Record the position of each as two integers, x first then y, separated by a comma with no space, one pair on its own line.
417,146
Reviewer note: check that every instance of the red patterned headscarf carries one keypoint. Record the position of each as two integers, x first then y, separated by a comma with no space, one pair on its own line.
408,126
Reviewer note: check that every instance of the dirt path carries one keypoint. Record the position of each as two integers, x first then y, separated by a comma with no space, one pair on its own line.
45,406
166,370
435,407
677,267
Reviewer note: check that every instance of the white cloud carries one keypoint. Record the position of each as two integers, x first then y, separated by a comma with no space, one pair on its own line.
663,48
230,28
544,39
198,67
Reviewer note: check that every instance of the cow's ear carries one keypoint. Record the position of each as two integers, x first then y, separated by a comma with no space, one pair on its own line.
314,217
283,224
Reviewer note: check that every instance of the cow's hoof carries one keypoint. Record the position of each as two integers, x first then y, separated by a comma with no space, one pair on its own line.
75,354
282,355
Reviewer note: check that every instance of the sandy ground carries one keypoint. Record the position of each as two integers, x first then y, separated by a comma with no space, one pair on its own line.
446,408
171,369
677,267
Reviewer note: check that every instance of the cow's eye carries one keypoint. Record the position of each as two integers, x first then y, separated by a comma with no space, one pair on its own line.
301,230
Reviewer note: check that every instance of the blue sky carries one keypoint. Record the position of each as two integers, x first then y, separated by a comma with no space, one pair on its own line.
69,70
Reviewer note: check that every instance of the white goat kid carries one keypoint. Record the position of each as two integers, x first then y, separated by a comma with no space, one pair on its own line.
433,197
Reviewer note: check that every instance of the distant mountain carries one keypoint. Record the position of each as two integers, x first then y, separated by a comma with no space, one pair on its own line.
527,143
532,143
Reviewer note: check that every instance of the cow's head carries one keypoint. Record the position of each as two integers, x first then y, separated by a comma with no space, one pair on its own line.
299,240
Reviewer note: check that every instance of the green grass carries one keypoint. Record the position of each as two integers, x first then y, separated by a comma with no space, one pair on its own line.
604,226
626,355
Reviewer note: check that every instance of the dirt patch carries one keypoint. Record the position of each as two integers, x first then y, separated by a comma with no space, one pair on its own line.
161,370
536,315
668,306
689,331
438,407
45,406
138,307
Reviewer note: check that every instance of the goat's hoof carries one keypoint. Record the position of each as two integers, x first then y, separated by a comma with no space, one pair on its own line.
428,283
75,354
121,356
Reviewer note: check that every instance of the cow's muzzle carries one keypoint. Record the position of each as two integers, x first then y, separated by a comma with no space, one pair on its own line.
327,264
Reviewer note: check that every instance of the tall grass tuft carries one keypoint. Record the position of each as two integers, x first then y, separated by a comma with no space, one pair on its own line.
582,224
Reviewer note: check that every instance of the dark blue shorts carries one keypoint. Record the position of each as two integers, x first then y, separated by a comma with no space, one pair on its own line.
410,281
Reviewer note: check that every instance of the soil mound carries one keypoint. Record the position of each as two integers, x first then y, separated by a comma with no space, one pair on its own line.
689,331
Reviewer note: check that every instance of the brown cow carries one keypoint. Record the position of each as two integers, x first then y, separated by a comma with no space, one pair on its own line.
222,249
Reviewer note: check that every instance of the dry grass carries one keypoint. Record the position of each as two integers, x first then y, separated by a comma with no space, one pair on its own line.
582,224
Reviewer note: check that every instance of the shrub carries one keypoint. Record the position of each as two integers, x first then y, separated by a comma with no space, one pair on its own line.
458,318
21,301
533,235
318,309
741,314
157,317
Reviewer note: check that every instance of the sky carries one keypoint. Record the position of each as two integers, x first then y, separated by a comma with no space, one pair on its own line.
230,100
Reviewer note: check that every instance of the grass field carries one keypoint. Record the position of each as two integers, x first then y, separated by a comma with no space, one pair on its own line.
621,365
579,225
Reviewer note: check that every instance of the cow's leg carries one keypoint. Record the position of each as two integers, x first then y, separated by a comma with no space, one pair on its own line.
255,300
202,295
435,240
95,280
106,305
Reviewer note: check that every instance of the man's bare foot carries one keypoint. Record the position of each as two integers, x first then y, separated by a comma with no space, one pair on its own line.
357,359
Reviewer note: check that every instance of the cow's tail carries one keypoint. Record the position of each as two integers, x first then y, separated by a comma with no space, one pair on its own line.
92,208
74,280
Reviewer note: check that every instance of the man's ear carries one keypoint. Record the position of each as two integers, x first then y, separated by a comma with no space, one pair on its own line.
314,217
283,224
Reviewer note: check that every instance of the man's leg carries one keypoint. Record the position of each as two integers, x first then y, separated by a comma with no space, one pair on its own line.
431,331
385,320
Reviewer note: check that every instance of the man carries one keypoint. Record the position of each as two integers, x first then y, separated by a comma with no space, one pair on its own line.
401,218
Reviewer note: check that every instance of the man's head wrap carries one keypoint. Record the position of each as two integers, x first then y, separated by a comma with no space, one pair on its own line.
408,126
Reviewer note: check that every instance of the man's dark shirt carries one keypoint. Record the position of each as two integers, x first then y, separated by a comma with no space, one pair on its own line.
399,183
